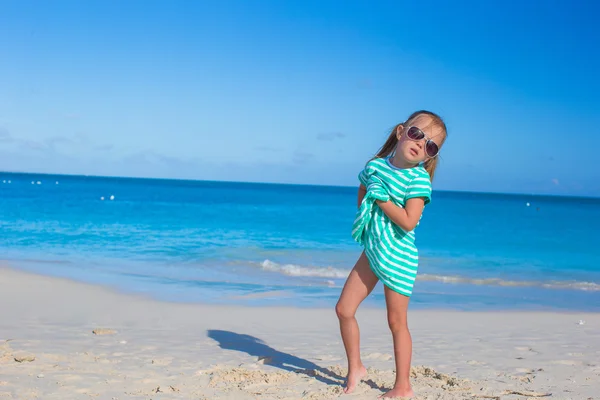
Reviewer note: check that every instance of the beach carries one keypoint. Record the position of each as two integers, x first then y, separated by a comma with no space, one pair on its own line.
186,187
62,339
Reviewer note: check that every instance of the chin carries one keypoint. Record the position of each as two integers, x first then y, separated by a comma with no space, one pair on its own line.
412,159
408,156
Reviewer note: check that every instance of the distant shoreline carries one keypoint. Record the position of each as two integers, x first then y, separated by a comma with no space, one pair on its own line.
267,184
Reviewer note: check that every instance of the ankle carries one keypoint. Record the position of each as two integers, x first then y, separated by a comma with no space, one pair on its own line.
403,385
355,366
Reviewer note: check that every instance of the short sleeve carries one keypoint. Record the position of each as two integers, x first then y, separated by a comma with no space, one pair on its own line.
420,186
363,176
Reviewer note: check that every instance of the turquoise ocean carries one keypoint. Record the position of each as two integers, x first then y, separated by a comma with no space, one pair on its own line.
267,244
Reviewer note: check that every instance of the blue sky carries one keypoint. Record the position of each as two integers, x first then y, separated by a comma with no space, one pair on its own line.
301,91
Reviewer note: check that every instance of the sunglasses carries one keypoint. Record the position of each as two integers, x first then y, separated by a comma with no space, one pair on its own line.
431,148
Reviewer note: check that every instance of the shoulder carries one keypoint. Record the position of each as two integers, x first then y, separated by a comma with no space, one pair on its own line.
372,168
419,175
377,163
374,165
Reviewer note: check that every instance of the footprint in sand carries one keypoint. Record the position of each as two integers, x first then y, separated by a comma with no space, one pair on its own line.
69,378
377,356
326,358
525,370
566,362
474,362
87,391
162,361
526,349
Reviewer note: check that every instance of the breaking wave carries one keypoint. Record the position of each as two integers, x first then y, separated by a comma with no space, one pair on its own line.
338,273
298,270
573,285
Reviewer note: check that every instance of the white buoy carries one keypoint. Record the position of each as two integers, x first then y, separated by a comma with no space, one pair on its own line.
32,182
102,198
528,204
8,181
57,182
39,183
3,181
112,197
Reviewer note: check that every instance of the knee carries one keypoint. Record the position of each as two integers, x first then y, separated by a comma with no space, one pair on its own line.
344,312
397,323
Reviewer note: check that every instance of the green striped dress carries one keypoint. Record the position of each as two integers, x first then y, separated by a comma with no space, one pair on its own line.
391,251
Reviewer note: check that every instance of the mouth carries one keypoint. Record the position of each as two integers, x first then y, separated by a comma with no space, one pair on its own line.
414,152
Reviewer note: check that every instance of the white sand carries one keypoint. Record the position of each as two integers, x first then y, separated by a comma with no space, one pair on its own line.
171,351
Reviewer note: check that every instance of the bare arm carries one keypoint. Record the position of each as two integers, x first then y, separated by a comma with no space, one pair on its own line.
361,194
406,218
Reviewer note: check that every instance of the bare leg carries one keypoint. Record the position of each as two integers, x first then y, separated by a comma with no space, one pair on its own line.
359,284
397,307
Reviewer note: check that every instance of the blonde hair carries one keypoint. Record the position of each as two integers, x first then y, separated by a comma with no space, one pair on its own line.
390,144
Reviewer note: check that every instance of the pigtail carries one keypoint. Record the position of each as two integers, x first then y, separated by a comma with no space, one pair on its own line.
430,166
390,144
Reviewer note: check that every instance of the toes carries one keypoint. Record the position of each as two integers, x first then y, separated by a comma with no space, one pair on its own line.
349,388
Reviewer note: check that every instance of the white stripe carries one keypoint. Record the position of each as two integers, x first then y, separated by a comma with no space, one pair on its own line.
427,187
392,272
391,242
389,273
412,173
364,210
412,195
362,178
397,289
394,258
420,179
382,162
403,268
376,224
392,178
401,242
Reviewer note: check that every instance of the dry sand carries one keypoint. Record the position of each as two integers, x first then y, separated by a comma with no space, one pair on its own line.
144,349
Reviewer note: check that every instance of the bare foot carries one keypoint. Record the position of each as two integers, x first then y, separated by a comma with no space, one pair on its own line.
353,378
399,393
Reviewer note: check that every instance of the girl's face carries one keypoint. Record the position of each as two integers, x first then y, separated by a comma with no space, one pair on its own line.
417,151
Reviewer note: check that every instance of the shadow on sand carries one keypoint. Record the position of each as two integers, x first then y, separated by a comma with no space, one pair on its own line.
257,348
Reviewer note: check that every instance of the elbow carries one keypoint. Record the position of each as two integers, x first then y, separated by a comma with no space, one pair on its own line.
408,227
410,222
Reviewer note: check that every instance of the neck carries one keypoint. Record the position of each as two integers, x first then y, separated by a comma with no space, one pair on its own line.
398,162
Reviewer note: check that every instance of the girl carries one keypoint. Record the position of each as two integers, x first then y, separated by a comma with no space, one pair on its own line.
394,188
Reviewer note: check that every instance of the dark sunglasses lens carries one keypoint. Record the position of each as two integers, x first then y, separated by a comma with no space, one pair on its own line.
415,133
431,148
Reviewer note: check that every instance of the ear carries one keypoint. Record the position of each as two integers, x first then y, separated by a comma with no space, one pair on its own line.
399,130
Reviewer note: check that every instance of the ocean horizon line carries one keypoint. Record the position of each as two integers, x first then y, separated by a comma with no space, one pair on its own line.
315,185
